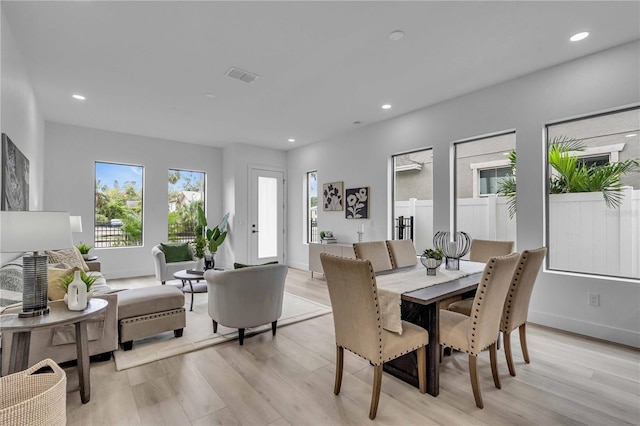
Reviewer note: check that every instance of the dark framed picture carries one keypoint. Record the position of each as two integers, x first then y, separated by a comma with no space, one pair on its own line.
357,206
332,197
15,177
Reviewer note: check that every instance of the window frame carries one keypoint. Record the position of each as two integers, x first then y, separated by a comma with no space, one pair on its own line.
204,196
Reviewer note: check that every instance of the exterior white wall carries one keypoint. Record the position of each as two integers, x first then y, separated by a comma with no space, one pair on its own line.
361,158
71,153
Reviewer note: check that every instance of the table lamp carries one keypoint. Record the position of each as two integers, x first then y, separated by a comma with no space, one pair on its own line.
31,232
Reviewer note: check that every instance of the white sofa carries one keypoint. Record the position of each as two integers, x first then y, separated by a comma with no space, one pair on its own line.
164,270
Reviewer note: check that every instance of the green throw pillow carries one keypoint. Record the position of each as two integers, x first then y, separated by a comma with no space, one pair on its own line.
175,252
242,265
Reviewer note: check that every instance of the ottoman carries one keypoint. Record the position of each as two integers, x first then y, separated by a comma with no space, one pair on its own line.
143,312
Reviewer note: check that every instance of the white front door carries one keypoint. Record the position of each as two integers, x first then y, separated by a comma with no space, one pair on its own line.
266,216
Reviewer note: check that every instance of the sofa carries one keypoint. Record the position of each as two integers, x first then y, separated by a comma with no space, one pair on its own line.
59,343
164,269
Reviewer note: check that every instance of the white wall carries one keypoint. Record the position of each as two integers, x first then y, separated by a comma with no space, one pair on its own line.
71,153
20,118
361,157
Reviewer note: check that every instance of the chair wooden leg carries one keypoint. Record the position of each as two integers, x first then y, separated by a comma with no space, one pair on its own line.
274,325
473,374
493,356
422,368
441,353
523,342
339,365
215,326
375,395
507,353
241,336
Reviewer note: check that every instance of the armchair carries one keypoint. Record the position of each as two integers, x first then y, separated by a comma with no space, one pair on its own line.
164,270
246,297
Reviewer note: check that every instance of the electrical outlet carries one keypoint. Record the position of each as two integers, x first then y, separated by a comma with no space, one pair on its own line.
594,299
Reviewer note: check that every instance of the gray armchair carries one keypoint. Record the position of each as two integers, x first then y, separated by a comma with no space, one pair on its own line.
246,297
164,270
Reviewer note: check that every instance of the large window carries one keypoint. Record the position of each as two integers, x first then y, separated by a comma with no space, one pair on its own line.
186,194
593,186
312,207
413,197
118,205
484,172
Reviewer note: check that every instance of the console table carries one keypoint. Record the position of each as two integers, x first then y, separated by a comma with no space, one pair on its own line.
342,250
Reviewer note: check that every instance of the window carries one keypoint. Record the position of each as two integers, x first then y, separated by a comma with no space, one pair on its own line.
490,179
413,197
484,169
312,207
118,205
186,194
593,194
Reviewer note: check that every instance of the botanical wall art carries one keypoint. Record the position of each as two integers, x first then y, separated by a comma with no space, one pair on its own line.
357,203
332,196
15,177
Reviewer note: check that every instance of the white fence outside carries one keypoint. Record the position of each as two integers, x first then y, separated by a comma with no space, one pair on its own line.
584,235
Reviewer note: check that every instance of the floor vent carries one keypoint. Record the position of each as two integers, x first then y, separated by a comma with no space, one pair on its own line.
241,75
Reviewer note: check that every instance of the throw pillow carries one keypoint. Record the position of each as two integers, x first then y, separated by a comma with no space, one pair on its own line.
70,256
175,252
242,265
55,292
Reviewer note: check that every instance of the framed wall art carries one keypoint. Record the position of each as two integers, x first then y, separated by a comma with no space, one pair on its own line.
357,203
332,197
15,177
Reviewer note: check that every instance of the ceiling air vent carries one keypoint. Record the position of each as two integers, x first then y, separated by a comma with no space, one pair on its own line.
241,75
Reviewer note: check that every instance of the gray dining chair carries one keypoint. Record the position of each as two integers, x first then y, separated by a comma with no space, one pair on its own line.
376,252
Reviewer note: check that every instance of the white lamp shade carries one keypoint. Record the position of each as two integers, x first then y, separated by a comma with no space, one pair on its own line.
76,223
34,231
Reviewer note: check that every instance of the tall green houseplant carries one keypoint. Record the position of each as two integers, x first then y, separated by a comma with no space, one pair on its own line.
571,175
214,237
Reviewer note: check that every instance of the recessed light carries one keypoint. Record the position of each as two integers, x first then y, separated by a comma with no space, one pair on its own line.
579,36
78,97
396,35
291,140
210,95
630,135
386,106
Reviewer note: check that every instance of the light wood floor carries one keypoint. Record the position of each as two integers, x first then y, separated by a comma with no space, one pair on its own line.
288,380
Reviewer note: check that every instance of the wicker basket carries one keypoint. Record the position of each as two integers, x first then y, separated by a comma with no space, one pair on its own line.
34,399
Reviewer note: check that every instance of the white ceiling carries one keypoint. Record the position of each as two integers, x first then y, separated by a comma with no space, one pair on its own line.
146,66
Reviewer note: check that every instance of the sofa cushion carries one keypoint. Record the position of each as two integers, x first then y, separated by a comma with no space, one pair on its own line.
70,256
176,252
148,300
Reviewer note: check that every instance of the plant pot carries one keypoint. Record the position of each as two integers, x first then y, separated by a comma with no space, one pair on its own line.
431,264
199,264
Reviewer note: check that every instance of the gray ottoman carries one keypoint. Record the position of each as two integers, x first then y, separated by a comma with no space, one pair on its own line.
147,311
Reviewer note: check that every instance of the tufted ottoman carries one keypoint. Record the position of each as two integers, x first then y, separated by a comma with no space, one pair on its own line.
143,312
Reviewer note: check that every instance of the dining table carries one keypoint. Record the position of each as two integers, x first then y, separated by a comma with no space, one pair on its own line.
409,294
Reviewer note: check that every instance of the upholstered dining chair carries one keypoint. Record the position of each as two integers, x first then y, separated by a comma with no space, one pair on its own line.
516,305
472,334
375,252
358,326
483,250
402,252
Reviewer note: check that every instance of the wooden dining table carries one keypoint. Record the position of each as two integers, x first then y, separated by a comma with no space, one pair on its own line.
420,306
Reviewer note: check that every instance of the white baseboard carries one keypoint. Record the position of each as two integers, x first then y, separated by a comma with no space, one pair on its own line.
598,331
301,266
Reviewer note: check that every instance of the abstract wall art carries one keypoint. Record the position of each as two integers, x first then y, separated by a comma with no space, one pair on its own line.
15,177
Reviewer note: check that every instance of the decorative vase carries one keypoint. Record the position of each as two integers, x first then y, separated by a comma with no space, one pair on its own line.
199,264
453,250
77,293
431,264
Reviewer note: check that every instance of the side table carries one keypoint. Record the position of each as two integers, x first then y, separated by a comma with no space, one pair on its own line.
59,315
188,278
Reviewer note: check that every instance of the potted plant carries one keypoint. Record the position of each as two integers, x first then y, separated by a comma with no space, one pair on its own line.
213,237
199,246
87,279
84,250
432,259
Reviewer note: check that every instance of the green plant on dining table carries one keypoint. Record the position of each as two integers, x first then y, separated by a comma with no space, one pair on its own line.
435,253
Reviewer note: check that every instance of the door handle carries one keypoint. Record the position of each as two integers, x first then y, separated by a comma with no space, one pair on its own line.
254,231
